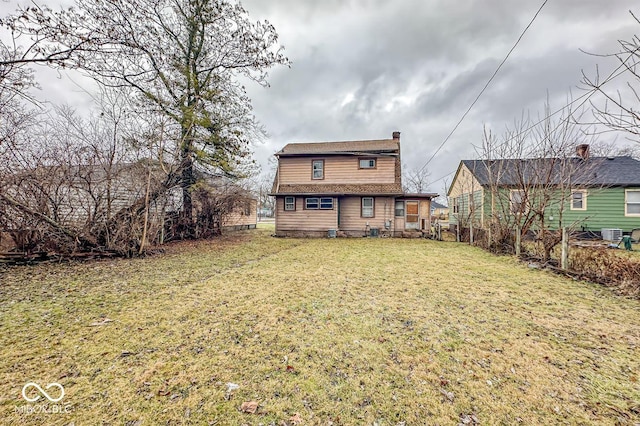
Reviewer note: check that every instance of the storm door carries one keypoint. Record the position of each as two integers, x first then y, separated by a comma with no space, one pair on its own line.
412,218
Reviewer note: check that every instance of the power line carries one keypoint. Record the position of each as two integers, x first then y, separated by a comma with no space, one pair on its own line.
621,69
587,95
485,86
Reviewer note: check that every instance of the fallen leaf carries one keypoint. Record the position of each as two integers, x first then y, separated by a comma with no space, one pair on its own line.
296,419
249,407
449,395
104,321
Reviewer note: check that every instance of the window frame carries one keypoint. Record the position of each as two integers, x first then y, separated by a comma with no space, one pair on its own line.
523,201
395,208
292,204
583,200
247,208
455,205
313,169
626,202
375,163
324,202
321,201
373,207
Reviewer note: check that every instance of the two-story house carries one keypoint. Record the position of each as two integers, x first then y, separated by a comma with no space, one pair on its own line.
349,188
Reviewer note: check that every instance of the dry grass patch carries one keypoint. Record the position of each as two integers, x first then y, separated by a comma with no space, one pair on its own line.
349,331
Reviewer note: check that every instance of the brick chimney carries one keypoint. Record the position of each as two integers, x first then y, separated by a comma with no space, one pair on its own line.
582,151
396,135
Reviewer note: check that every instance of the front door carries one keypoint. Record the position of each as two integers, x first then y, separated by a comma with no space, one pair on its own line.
412,220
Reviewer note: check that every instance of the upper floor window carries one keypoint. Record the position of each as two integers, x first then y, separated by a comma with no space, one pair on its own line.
367,163
632,202
579,199
317,169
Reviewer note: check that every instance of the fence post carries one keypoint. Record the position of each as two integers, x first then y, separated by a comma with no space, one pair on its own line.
564,260
489,235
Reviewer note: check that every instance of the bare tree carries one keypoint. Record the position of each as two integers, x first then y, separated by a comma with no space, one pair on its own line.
531,172
37,35
69,183
183,58
415,180
619,110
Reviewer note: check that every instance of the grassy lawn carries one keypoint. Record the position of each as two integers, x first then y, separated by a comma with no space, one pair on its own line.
323,331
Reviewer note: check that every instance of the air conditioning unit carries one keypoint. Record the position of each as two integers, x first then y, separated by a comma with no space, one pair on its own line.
611,234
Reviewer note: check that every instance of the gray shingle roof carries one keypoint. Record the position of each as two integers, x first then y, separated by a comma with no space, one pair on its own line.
370,146
437,205
596,171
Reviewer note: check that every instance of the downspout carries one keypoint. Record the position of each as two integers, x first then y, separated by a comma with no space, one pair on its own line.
278,175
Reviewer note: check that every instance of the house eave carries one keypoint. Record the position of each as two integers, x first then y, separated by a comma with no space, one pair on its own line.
423,195
336,194
340,153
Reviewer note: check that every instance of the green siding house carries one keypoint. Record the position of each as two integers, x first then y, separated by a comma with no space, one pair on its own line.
586,194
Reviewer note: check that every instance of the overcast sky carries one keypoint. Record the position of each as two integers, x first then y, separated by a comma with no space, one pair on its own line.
364,68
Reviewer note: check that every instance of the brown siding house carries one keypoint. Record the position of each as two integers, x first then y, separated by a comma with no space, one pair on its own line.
351,188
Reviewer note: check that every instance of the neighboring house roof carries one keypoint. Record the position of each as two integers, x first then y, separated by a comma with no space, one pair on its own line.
341,189
595,171
347,147
437,205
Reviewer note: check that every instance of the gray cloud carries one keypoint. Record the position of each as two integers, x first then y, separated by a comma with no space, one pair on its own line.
364,68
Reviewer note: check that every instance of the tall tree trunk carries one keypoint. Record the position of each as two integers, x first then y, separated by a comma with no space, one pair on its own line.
187,226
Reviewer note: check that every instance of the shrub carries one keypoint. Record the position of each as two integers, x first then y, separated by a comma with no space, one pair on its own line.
609,267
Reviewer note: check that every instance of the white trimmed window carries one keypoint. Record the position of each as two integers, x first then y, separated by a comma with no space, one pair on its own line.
399,209
289,203
326,203
632,202
367,207
367,163
317,169
578,199
455,205
518,201
315,203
